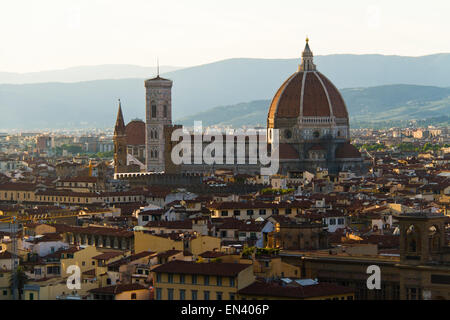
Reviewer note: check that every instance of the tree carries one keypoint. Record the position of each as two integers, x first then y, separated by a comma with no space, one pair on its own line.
247,252
20,278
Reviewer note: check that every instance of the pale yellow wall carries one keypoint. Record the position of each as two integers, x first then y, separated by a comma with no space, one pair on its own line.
149,242
276,268
143,294
13,195
44,228
4,285
51,290
204,243
243,279
243,213
85,255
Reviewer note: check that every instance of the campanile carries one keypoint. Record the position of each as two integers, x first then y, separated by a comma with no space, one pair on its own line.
158,101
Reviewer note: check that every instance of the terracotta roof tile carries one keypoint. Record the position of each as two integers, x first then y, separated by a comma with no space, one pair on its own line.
187,267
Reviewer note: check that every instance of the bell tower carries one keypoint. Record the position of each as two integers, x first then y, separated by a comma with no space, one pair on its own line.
422,237
424,256
158,100
120,144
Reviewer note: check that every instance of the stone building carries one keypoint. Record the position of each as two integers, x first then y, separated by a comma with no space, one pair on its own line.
129,144
420,271
425,257
307,110
313,122
291,234
100,237
158,115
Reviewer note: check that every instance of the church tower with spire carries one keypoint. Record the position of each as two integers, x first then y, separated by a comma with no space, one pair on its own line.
120,144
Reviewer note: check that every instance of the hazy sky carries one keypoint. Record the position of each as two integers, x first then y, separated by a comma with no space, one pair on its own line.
53,34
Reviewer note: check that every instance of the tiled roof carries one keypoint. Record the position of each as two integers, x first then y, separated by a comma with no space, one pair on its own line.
241,225
187,267
18,186
317,93
347,151
184,224
212,254
80,179
168,253
131,258
287,152
275,289
108,255
101,231
48,237
90,272
118,288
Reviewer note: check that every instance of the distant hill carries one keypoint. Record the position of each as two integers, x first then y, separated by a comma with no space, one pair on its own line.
198,89
83,73
374,104
233,81
70,105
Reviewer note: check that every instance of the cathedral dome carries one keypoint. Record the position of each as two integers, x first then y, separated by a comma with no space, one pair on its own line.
135,132
307,93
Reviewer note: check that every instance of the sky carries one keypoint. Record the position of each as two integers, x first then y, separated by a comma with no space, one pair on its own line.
56,34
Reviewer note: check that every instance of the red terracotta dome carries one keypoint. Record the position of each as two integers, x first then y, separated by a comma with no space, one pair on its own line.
135,132
308,93
347,151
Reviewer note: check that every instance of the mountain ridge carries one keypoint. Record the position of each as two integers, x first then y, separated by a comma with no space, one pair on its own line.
373,104
200,88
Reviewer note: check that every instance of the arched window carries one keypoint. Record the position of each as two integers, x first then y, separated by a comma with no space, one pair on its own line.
412,246
151,133
165,111
412,239
153,115
434,239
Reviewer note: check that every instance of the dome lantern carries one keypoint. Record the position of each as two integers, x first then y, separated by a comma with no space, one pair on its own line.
307,59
